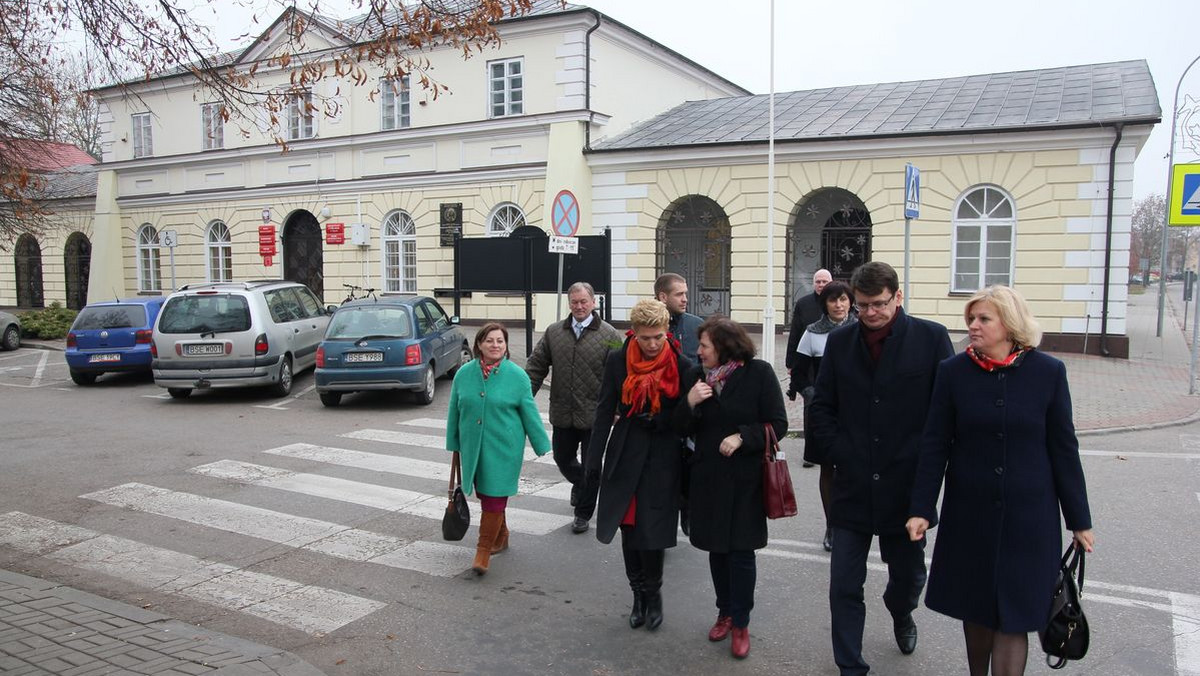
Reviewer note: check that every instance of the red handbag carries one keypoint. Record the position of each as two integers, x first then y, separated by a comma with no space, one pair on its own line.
778,497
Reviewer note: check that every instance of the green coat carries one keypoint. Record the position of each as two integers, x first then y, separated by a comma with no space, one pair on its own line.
488,422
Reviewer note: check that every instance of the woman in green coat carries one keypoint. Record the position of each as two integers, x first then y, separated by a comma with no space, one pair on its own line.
491,414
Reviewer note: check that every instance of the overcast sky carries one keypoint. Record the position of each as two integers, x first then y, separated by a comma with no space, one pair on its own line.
822,43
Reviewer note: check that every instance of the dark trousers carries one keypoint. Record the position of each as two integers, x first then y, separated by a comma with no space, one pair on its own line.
643,567
733,576
570,454
905,560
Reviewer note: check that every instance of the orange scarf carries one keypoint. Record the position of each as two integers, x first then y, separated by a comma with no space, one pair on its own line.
648,379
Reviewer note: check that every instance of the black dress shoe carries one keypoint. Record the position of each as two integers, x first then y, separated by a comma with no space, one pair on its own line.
579,525
806,464
906,634
827,543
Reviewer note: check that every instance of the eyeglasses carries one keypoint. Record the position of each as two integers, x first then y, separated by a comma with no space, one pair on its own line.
876,305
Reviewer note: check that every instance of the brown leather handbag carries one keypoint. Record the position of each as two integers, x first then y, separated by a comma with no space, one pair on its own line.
778,497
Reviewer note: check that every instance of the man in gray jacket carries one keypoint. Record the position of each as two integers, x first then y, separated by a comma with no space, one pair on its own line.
576,347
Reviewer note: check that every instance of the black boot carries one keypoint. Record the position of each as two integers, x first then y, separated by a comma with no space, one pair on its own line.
652,568
637,581
637,613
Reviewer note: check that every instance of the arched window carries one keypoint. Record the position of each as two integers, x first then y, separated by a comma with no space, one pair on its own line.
505,218
149,274
220,253
399,253
985,224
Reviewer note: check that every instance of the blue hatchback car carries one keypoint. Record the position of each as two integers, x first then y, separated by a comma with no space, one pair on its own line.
112,335
389,344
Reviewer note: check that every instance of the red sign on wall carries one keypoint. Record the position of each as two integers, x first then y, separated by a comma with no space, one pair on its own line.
335,233
266,243
268,261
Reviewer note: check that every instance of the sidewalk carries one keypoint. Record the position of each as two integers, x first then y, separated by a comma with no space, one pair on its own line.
46,628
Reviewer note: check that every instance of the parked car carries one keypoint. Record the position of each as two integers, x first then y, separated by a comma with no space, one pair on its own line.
237,334
112,335
389,344
10,331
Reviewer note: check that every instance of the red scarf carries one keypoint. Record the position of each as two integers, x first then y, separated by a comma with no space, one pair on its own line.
988,364
487,368
648,379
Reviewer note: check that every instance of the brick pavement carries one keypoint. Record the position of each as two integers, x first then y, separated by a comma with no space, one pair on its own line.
46,628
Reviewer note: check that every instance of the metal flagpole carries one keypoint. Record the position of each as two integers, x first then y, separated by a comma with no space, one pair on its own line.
1162,257
768,330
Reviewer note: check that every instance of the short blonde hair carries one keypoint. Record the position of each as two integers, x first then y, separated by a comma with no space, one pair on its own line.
650,312
1014,313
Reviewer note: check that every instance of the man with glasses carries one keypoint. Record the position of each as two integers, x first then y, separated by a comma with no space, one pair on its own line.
872,395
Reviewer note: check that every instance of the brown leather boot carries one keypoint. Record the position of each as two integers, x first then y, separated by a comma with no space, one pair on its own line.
501,542
489,530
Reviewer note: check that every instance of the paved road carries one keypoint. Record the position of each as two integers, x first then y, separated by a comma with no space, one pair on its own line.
315,531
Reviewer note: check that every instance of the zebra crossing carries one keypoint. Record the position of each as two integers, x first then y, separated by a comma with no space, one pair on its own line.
415,460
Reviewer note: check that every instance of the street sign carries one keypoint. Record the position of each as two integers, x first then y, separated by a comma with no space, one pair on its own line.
1184,208
335,233
912,191
268,261
565,214
564,245
168,238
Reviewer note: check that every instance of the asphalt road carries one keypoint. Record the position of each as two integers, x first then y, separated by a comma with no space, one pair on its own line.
313,530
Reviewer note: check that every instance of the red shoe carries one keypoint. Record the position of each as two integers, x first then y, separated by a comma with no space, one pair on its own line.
740,645
720,628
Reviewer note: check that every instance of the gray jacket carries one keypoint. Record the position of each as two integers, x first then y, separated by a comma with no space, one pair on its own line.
686,328
578,369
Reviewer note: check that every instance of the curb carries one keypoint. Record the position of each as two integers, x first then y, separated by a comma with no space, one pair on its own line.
1141,427
50,347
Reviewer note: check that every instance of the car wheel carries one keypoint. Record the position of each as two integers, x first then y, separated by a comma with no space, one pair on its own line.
12,338
284,387
424,396
179,392
331,398
82,378
464,356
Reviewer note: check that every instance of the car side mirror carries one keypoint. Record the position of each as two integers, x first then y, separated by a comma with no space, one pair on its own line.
454,319
330,309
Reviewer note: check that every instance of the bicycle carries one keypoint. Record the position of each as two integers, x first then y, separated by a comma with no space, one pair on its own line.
357,293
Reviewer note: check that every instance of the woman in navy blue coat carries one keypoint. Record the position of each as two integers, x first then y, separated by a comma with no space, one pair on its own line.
1000,432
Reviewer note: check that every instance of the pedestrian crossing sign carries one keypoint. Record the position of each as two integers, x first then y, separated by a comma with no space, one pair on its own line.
1184,209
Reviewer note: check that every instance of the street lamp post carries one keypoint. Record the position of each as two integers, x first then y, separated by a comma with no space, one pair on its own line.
1162,256
768,329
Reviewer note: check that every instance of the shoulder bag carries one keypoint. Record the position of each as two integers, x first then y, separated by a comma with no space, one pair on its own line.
778,497
1066,634
457,518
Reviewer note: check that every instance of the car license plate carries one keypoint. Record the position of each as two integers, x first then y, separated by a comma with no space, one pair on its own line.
104,358
356,357
204,349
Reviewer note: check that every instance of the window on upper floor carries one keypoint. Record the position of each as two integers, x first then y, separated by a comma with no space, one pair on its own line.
220,253
149,273
505,218
399,253
393,103
506,87
985,224
212,126
143,144
301,117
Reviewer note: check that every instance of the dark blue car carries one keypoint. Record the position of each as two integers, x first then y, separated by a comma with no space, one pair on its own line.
389,344
111,336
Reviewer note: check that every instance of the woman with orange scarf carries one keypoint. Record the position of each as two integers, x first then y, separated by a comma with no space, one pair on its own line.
639,482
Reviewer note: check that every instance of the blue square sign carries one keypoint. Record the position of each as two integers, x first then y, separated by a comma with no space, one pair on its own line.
912,191
1191,195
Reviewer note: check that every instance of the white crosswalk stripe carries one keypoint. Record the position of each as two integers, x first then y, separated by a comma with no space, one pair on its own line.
287,602
423,440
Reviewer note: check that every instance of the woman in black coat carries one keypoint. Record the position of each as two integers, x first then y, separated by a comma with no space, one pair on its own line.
1000,432
731,397
639,482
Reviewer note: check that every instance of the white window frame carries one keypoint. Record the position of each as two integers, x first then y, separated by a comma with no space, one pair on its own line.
142,135
985,222
394,108
149,266
301,121
219,250
212,126
512,98
399,235
501,222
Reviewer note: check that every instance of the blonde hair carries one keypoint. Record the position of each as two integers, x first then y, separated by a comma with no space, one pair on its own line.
1014,313
649,312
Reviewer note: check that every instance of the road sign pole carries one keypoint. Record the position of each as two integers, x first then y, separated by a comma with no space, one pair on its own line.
558,290
173,286
1195,352
907,229
1162,260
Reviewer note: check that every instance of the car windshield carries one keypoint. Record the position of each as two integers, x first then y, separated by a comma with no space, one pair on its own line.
379,322
223,313
110,317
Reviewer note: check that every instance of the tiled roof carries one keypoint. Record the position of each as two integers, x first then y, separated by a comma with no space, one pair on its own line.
71,183
1022,100
42,156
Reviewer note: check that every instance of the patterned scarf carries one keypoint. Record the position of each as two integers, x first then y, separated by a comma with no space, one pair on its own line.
717,376
649,379
488,368
988,364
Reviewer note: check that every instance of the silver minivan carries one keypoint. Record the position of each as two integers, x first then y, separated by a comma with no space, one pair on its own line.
236,334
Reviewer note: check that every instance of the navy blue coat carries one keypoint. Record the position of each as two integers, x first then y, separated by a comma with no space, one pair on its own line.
868,419
1005,443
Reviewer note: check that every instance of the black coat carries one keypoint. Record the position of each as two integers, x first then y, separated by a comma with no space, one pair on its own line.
868,419
1005,443
726,496
641,454
808,310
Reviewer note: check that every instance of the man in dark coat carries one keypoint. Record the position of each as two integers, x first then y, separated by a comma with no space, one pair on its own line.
808,310
872,396
672,290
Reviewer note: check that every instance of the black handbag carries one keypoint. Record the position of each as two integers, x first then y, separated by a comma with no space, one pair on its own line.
457,518
1066,634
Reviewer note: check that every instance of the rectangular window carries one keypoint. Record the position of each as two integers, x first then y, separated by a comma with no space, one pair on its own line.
982,255
143,144
506,87
212,126
393,104
300,117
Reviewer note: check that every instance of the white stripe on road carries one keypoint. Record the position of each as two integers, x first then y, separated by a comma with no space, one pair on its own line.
424,441
293,604
1185,623
325,537
440,424
279,405
370,495
41,368
1142,454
